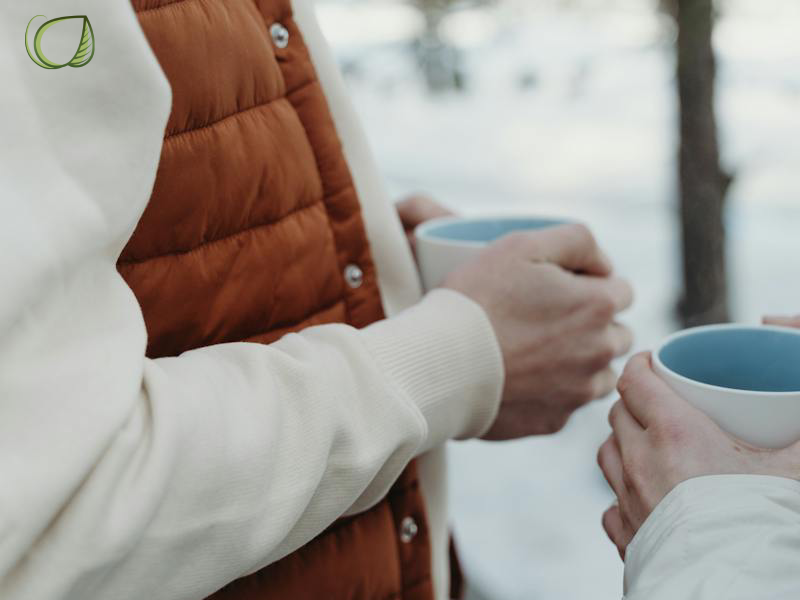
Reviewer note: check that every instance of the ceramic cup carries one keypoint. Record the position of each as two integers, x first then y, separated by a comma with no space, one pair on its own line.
745,378
445,243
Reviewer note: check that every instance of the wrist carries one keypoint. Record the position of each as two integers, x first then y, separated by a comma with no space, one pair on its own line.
442,356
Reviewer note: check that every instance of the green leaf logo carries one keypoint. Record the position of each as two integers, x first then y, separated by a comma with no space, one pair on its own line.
83,55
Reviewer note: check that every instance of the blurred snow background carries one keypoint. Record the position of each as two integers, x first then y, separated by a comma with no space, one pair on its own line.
567,108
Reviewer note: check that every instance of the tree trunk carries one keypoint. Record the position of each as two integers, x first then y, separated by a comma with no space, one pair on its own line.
703,184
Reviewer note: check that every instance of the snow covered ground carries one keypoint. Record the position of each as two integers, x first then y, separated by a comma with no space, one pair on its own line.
569,110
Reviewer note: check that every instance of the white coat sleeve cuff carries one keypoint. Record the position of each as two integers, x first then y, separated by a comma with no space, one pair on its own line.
442,355
720,536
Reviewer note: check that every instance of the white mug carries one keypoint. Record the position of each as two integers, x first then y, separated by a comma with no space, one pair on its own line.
746,378
445,243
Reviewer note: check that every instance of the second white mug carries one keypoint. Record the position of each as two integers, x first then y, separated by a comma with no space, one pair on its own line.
746,378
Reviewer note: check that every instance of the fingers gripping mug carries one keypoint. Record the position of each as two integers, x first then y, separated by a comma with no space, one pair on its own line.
444,244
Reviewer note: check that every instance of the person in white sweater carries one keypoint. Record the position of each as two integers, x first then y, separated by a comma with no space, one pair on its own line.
700,514
131,478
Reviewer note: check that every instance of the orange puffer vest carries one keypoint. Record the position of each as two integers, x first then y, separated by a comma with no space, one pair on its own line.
254,230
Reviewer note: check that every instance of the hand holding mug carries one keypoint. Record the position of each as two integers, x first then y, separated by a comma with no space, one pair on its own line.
552,301
659,440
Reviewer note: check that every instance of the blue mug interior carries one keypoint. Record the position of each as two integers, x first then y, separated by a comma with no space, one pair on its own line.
753,359
487,230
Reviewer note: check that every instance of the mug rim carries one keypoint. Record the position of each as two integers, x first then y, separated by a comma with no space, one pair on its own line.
656,354
422,231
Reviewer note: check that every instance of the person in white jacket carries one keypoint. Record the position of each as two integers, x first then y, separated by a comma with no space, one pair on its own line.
700,514
130,478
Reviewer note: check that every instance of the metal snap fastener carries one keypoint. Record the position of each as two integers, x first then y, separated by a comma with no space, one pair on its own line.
354,276
408,530
280,35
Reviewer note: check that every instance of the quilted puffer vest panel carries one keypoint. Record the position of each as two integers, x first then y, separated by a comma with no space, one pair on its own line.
254,230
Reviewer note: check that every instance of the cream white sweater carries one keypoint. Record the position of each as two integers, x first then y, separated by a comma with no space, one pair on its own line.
128,478
125,477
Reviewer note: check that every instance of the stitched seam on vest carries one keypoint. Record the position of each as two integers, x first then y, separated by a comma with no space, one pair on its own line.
233,115
204,245
165,5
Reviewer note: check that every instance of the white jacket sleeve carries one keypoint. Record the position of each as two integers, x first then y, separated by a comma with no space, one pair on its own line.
129,478
731,537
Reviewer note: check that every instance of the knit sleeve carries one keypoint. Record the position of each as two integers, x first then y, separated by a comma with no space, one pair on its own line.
130,478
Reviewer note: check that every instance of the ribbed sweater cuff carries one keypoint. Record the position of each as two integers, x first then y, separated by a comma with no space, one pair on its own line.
442,355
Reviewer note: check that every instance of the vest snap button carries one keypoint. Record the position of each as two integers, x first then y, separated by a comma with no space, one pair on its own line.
408,530
280,35
354,276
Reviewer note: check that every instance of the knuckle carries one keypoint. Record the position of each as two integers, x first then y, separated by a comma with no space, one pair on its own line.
556,423
627,289
639,363
608,522
638,476
604,303
583,394
559,424
602,306
605,383
518,238
513,243
410,208
603,355
603,452
583,234
414,201
613,414
668,432
632,471
625,383
601,457
626,338
631,377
